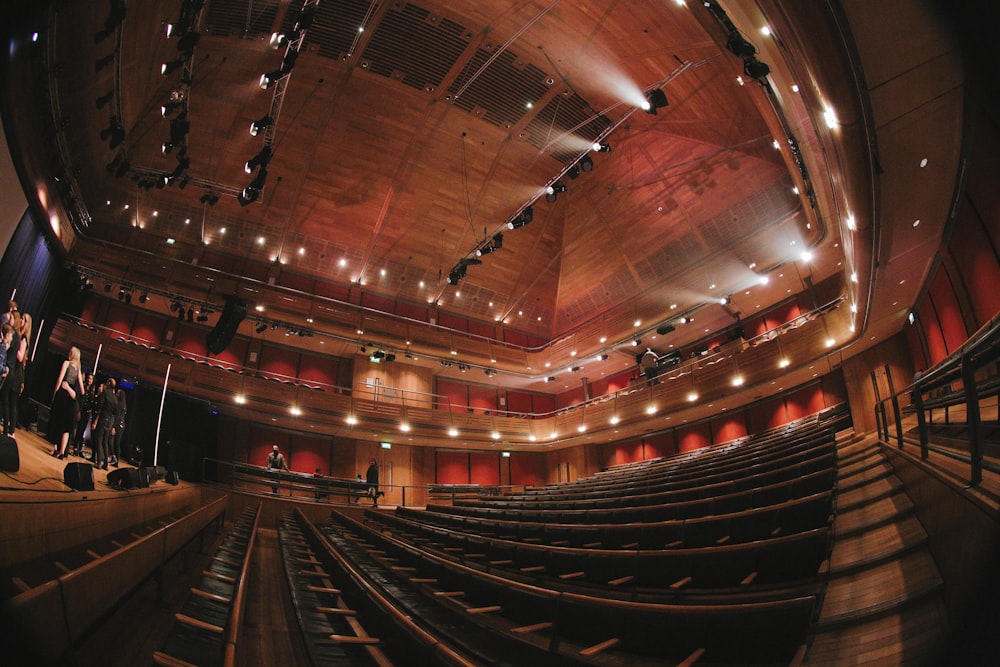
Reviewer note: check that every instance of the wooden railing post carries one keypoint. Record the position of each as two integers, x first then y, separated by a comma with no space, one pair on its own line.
973,419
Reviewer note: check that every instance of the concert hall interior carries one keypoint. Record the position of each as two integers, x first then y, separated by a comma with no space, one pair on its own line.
600,332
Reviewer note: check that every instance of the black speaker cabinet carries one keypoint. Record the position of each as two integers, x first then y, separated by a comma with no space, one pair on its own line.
79,476
10,460
124,478
172,477
229,321
143,477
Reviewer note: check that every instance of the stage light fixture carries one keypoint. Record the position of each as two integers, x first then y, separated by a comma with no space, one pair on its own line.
586,163
252,191
259,160
573,172
552,191
306,17
269,78
143,297
756,70
170,66
655,99
601,147
259,124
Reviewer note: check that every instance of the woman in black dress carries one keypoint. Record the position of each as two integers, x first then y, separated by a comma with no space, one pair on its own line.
69,387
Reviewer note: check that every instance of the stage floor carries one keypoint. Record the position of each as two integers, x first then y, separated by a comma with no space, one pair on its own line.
40,475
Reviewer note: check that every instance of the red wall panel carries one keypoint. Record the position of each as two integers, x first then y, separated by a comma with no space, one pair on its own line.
279,362
482,399
451,467
524,469
515,338
728,427
149,327
805,401
310,453
331,291
296,281
190,339
694,437
481,329
948,313
519,402
235,353
933,336
660,444
485,467
544,404
767,415
411,311
450,321
454,393
317,369
119,318
976,258
570,397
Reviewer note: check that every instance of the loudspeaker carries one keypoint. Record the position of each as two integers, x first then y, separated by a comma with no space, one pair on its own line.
161,473
173,477
664,329
143,478
229,321
10,460
124,478
79,476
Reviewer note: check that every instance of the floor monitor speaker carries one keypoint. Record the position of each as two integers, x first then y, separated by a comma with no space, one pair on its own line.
10,460
124,478
79,476
172,477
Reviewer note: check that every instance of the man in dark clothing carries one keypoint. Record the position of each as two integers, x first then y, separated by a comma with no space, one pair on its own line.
105,413
371,479
276,462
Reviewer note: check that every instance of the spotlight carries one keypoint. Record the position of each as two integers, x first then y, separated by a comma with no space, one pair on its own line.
289,61
202,317
107,287
636,342
655,99
664,329
190,314
169,108
174,305
573,172
586,163
252,191
143,297
281,40
602,148
170,66
390,356
553,191
268,79
378,354
128,297
523,218
495,245
258,125
121,293
306,17
262,327
259,160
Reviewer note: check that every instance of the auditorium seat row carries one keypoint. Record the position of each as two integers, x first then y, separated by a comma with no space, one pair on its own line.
589,626
333,633
206,630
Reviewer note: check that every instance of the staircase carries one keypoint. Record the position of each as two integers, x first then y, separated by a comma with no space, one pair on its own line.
883,601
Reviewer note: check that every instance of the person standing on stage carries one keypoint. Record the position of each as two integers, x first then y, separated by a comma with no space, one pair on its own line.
69,386
103,425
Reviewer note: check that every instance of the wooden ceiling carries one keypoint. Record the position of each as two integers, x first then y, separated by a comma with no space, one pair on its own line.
410,133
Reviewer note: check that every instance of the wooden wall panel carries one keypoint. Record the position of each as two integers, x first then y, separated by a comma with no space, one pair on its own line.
527,469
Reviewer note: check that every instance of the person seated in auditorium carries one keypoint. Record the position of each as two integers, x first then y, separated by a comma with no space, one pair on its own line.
63,416
104,424
371,479
319,495
276,462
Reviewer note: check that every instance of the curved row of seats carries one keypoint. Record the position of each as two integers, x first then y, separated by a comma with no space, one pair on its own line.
206,630
590,626
332,632
757,523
